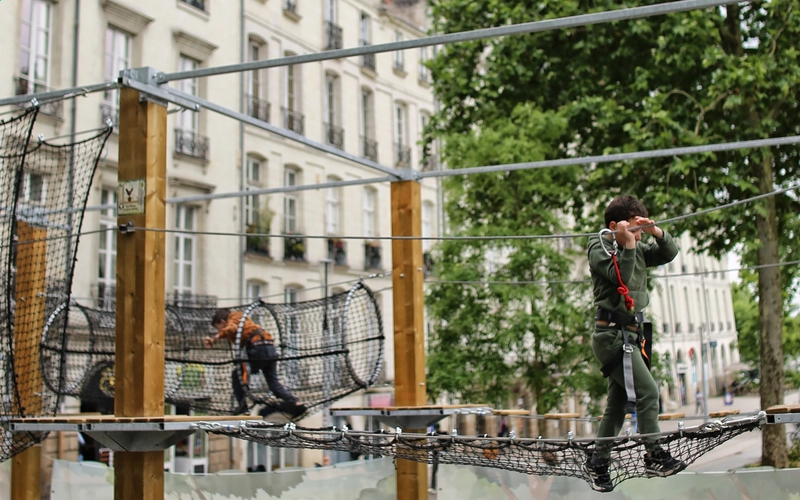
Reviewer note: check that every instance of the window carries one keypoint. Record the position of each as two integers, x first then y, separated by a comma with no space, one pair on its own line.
332,208
35,188
291,85
427,225
290,203
292,118
187,120
253,203
256,89
185,243
686,301
255,290
35,46
334,133
365,29
423,69
398,54
369,147
403,151
330,11
107,252
200,4
369,212
117,58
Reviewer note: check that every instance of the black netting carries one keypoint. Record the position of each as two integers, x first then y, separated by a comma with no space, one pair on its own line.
541,457
327,348
44,192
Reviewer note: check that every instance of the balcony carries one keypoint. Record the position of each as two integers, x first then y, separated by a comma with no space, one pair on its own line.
294,248
258,108
367,60
372,255
337,251
293,120
403,159
334,136
369,148
200,4
399,66
257,244
290,10
110,113
105,296
25,86
333,36
188,299
428,164
191,144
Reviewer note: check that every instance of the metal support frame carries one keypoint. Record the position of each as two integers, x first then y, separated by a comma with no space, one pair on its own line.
407,418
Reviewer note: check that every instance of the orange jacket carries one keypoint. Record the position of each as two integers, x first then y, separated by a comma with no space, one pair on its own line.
248,329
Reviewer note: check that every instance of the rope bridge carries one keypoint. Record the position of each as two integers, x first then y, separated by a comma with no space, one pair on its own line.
43,192
327,348
541,457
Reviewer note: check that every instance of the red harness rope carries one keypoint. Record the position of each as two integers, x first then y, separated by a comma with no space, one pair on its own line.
622,289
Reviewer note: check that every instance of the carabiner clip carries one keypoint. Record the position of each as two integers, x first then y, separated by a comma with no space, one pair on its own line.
614,239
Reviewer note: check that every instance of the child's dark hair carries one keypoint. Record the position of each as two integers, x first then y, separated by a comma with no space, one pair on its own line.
220,316
623,208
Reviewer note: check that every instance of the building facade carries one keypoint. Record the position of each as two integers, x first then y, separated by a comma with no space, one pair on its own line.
373,106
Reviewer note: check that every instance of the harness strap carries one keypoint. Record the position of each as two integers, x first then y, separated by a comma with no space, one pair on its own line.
627,370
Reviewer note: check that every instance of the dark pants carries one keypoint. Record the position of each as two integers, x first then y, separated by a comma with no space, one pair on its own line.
262,358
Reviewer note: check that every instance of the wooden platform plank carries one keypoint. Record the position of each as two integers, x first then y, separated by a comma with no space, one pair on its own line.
671,416
509,413
723,413
772,410
561,416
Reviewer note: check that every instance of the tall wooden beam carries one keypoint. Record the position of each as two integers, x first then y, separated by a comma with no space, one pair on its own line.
139,368
409,324
29,294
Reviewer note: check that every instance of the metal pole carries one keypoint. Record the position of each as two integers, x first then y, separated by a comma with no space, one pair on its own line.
464,36
326,335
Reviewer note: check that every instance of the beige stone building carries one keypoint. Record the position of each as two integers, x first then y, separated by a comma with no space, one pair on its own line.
371,106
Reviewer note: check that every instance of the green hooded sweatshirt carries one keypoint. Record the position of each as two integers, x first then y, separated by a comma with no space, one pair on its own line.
633,266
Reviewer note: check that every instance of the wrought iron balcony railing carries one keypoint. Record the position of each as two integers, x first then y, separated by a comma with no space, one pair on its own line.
257,244
334,136
369,148
25,86
191,144
337,251
333,34
293,120
428,164
372,255
290,6
403,155
258,108
367,60
105,296
294,248
427,263
188,299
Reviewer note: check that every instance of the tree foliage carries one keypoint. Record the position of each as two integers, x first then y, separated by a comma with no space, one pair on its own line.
497,342
717,75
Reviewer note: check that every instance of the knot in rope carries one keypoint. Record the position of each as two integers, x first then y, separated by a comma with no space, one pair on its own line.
622,289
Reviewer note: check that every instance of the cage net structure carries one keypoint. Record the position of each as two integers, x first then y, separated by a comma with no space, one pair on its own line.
44,188
541,457
326,349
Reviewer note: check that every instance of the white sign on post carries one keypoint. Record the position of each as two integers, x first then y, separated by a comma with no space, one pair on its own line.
130,197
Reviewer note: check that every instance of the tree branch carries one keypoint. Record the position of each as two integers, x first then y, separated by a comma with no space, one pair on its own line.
780,31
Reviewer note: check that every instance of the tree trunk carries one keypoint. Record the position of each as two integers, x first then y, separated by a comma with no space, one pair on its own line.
770,310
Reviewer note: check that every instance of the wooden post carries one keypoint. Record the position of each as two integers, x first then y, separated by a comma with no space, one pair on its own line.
409,322
139,368
29,320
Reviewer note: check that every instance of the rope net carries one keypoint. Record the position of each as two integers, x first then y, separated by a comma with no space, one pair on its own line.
44,191
541,457
326,349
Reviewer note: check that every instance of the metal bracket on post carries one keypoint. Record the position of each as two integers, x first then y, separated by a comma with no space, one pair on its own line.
407,174
145,80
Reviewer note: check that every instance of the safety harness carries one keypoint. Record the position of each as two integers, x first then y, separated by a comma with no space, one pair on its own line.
622,321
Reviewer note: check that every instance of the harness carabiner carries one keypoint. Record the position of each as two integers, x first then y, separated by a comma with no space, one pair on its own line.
613,239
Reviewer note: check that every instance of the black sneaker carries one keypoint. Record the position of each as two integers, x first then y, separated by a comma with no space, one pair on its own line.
268,410
659,463
597,469
298,410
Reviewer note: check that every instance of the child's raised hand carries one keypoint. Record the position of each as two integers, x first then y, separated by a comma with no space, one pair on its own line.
652,229
625,237
208,341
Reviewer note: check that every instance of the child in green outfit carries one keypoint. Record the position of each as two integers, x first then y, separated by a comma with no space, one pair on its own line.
616,340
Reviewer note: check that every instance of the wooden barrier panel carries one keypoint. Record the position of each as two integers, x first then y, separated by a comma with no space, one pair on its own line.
723,413
772,410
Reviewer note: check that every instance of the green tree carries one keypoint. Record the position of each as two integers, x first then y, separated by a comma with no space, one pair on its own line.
700,77
496,342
